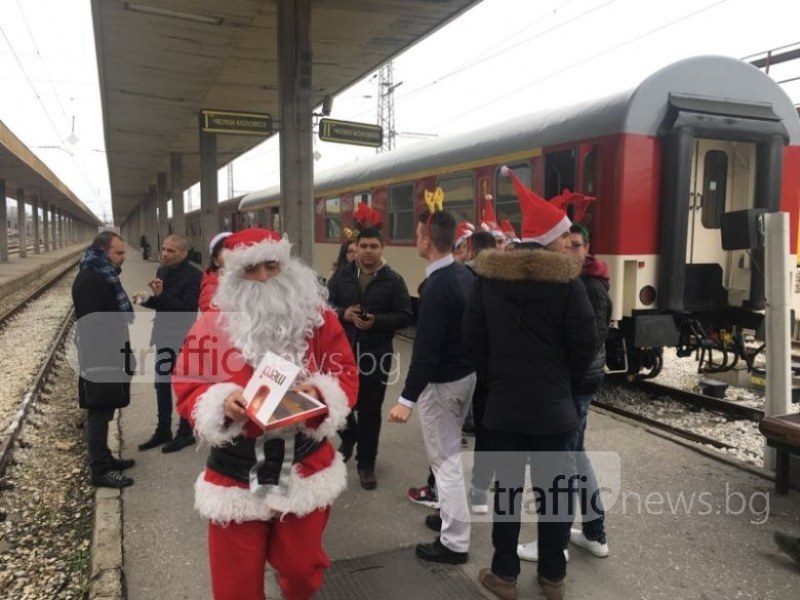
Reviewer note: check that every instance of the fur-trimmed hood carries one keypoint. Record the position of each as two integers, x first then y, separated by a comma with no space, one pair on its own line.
541,265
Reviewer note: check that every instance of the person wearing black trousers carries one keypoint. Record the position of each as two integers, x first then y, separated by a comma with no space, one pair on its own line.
175,297
103,312
372,303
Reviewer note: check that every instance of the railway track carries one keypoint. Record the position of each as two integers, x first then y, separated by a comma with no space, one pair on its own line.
34,388
51,279
33,391
723,410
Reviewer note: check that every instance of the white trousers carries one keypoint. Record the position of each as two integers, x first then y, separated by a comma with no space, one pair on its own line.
442,409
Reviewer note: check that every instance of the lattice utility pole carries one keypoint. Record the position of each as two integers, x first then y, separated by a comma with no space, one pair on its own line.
386,87
230,180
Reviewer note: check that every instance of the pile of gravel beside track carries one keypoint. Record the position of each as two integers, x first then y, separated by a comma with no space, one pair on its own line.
682,373
46,502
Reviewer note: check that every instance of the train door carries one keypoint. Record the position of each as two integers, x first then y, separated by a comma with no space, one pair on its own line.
722,180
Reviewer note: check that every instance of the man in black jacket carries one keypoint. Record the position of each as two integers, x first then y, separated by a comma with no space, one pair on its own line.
103,312
530,330
372,302
440,381
594,275
175,294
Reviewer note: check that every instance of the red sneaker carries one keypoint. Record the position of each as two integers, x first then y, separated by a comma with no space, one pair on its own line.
426,496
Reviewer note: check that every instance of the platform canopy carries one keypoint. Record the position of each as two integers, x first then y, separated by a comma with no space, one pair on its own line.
22,170
162,61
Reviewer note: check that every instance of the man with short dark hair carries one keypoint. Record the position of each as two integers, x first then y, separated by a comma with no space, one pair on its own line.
103,312
440,381
175,297
372,302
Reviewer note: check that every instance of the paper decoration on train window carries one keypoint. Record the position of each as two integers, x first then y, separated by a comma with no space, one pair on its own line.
434,200
578,202
364,217
350,234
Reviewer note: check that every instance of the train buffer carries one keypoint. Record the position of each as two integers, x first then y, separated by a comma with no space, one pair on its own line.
783,434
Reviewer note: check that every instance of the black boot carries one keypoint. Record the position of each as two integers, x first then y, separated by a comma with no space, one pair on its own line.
161,436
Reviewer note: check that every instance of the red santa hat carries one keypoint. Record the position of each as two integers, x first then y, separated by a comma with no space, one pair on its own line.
489,219
216,240
508,230
464,231
255,245
542,222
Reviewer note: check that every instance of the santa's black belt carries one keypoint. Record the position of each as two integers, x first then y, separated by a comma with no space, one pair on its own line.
238,459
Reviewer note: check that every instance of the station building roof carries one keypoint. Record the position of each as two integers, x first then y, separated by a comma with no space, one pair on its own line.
22,169
161,61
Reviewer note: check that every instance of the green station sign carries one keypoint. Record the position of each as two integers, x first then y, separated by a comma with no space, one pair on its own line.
349,132
237,123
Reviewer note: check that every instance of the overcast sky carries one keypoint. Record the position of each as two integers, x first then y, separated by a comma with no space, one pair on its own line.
501,59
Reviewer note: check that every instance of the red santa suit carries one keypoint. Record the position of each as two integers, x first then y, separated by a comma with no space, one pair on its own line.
267,498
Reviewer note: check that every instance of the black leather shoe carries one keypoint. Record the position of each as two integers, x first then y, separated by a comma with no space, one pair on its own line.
368,480
434,522
112,479
346,449
438,553
159,437
179,443
120,464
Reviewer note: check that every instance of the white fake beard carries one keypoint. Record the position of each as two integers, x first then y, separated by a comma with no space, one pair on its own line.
278,315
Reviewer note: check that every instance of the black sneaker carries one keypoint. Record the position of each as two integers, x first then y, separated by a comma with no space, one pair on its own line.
346,449
112,479
121,464
161,436
179,443
439,553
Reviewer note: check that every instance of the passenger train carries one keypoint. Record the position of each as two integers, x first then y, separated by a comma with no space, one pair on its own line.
700,143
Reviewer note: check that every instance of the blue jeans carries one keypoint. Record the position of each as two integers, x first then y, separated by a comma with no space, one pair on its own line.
589,489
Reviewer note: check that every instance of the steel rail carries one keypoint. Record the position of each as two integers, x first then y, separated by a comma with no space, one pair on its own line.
35,388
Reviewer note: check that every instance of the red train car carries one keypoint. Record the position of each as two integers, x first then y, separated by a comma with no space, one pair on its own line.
701,142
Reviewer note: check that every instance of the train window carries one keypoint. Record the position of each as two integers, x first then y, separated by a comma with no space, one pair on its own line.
559,172
506,204
715,180
333,218
459,196
401,213
590,173
365,197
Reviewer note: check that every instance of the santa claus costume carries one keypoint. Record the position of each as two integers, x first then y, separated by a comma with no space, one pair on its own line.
267,496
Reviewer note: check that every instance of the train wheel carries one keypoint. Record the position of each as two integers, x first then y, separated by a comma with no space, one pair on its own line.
644,363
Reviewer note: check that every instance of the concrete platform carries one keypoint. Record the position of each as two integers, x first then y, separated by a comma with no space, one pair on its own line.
684,527
19,271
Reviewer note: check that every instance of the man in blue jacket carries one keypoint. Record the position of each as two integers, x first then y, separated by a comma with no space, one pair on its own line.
440,382
372,302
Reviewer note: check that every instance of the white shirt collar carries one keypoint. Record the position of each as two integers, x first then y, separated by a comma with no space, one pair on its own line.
440,263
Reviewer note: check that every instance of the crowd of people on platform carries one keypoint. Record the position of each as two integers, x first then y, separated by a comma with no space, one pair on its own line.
508,344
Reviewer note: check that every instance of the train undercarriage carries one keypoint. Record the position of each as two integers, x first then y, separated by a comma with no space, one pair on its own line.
718,342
